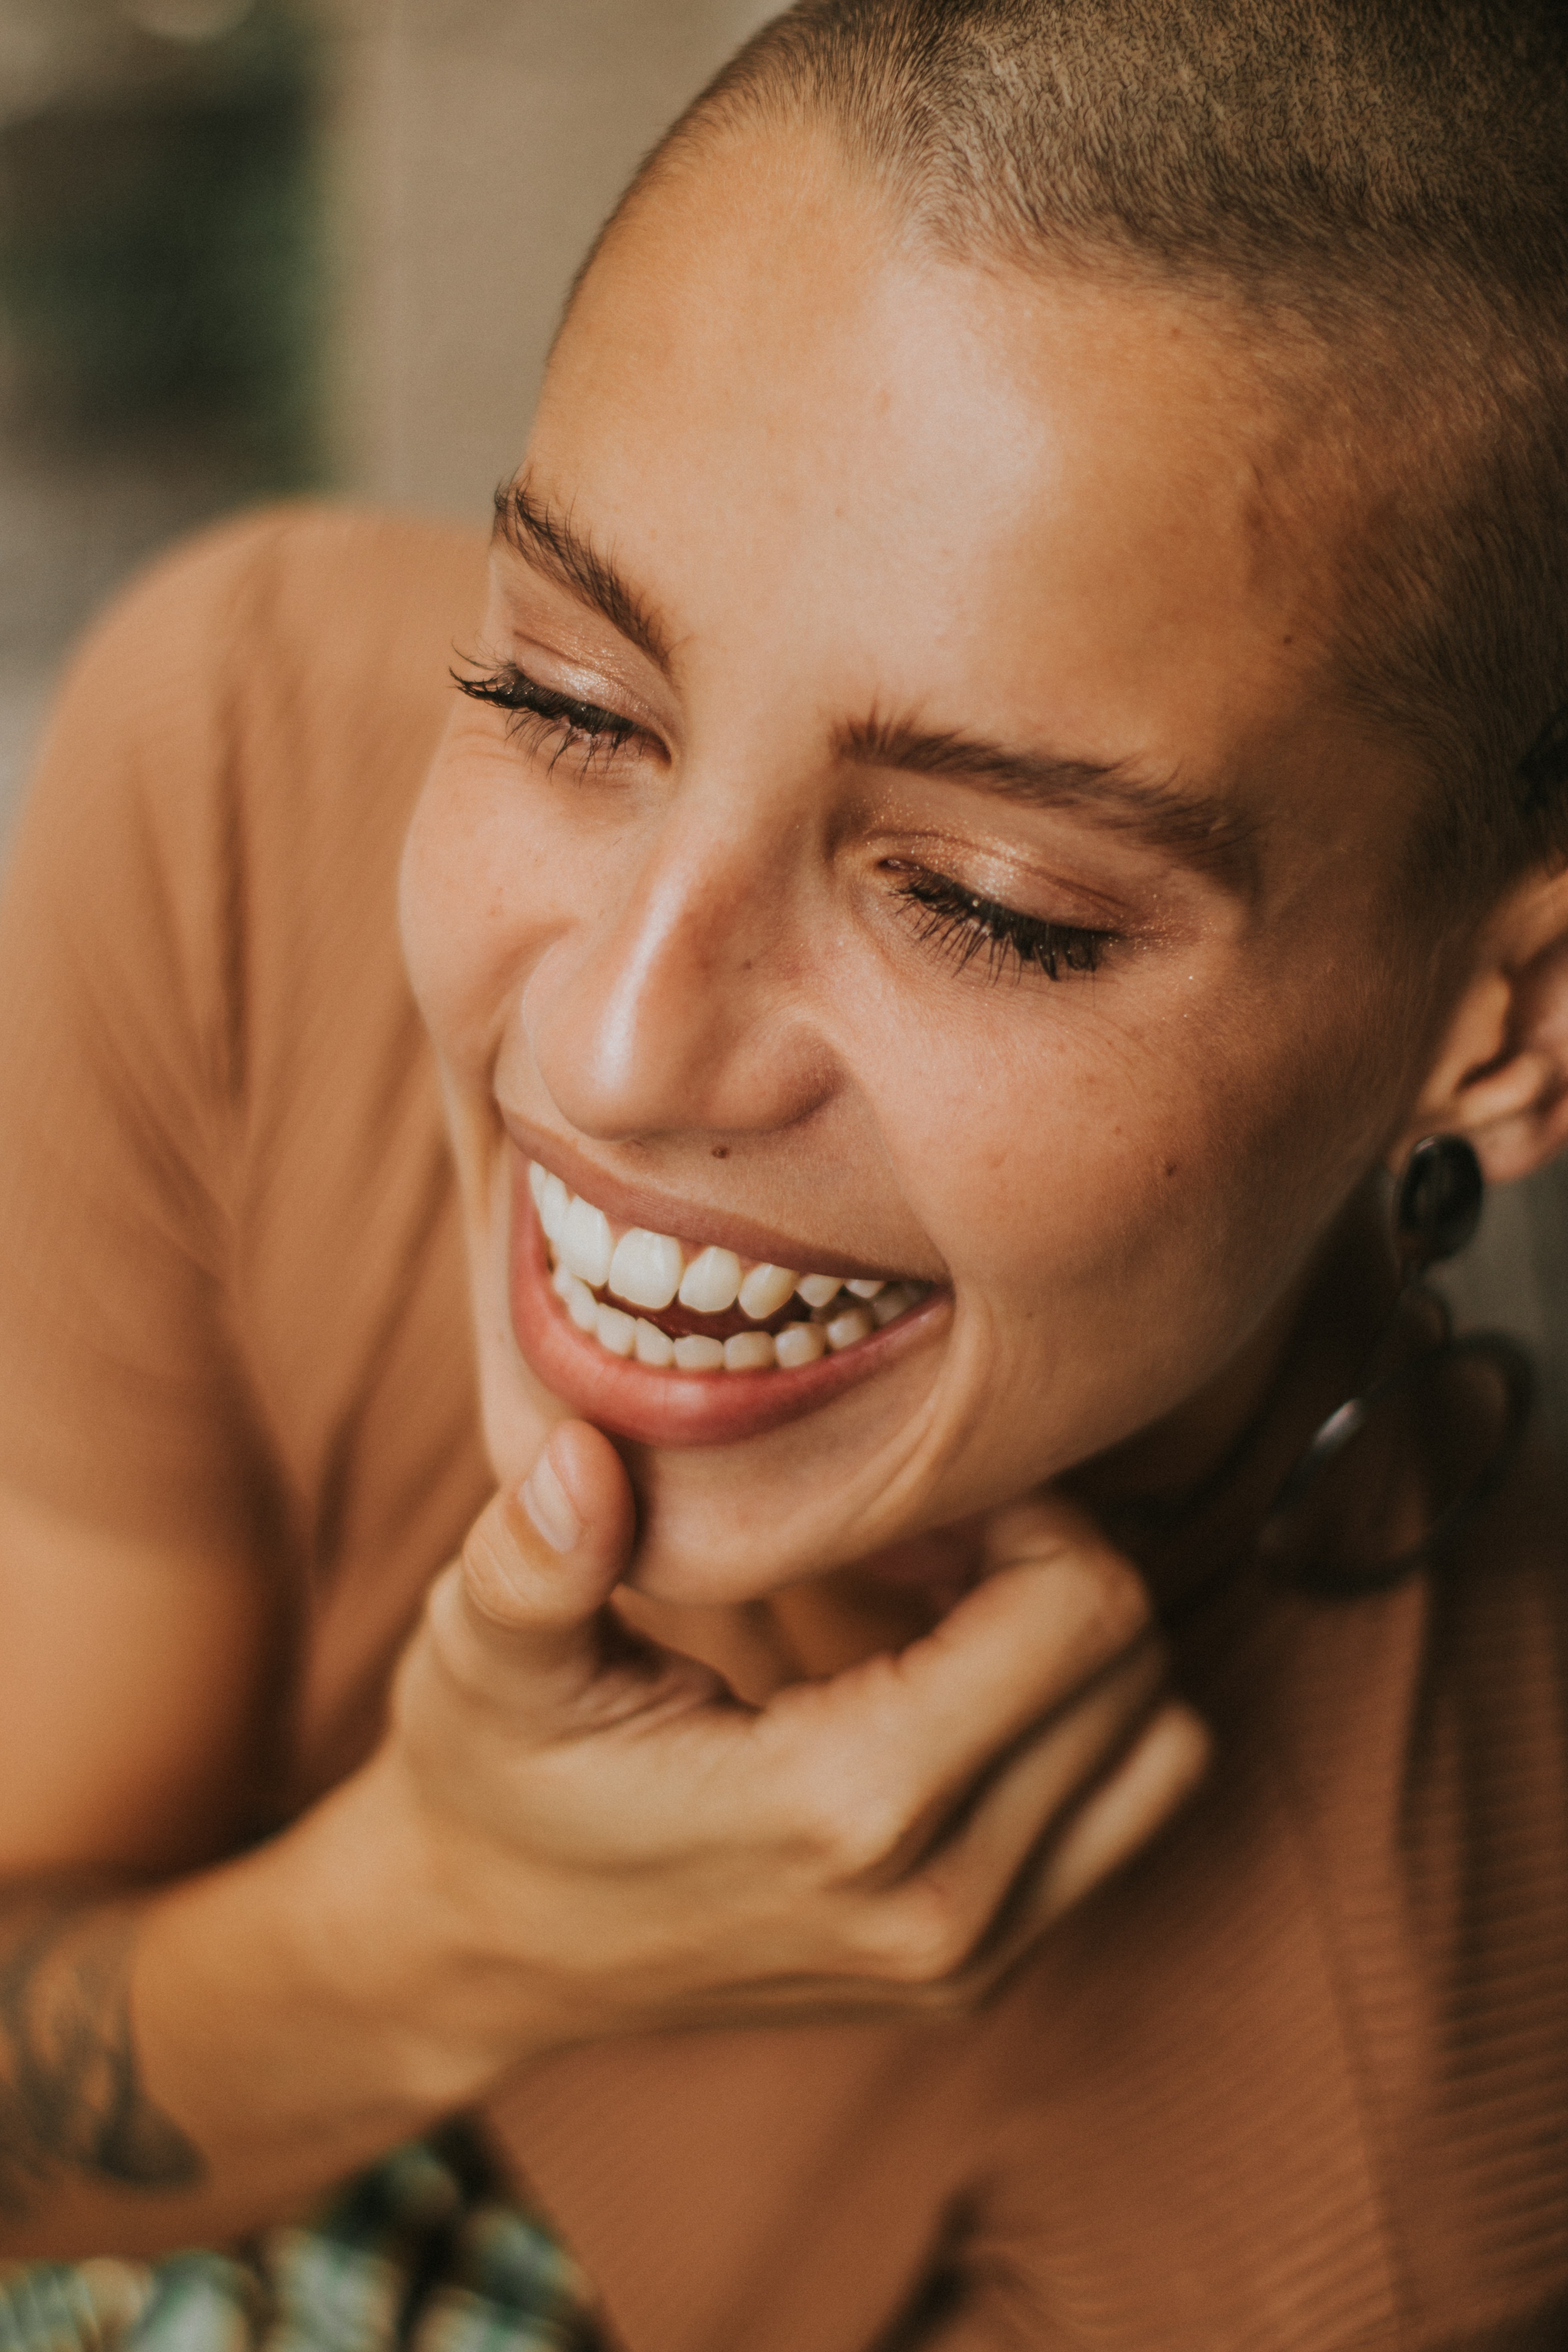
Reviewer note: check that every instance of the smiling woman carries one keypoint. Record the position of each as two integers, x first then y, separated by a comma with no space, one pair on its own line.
993,786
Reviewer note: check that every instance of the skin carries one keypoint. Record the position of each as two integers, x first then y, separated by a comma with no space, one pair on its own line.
853,480
1038,520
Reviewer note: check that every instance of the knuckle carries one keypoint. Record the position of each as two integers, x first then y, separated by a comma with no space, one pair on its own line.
919,1940
848,1844
490,1566
1124,1605
851,1825
1111,1600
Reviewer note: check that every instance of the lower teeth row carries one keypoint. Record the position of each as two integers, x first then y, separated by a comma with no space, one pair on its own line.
748,1351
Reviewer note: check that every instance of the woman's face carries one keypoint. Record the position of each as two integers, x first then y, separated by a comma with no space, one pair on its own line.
964,872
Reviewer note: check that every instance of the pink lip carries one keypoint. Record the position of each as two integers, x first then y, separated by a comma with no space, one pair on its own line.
669,1408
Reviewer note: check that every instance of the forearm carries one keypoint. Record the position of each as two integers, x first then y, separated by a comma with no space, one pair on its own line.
184,2064
569,1834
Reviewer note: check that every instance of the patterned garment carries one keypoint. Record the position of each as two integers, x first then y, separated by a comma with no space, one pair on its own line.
423,2253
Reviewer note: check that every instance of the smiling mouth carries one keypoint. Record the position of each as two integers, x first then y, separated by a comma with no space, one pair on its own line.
648,1298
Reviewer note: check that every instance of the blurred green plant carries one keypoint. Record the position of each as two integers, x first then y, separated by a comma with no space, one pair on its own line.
160,252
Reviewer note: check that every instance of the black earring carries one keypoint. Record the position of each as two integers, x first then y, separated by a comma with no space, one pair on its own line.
1436,1204
1435,1421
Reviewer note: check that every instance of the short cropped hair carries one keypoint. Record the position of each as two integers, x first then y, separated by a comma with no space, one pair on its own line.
1377,190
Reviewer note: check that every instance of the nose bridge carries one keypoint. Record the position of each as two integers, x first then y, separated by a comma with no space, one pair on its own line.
678,1010
673,963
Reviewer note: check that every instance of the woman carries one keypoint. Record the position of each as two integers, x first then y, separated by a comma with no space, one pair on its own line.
1001,779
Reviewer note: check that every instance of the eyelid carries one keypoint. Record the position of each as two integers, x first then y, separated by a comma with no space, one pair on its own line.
551,632
965,926
586,662
581,681
573,722
1000,873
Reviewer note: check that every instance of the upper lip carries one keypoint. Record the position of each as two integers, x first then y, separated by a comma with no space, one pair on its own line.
640,1204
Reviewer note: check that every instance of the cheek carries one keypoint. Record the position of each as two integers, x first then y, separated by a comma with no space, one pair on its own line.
468,914
1105,1181
1036,1157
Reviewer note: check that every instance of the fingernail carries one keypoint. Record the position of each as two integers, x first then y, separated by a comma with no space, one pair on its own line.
549,1506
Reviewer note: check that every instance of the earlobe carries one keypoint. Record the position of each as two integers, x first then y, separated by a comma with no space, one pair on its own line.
1501,1076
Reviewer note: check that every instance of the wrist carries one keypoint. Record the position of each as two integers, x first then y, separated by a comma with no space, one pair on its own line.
411,1921
322,1964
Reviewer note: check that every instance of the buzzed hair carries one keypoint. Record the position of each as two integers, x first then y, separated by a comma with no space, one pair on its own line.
1377,192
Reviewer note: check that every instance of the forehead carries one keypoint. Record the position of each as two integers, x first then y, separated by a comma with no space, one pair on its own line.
787,416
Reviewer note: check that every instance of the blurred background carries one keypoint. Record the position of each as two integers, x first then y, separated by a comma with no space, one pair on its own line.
253,247
260,246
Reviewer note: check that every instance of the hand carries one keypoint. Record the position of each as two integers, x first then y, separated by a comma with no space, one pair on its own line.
611,1843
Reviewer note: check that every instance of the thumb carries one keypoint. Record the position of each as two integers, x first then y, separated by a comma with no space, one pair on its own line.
520,1612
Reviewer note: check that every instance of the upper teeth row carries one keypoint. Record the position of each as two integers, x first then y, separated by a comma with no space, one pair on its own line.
650,1270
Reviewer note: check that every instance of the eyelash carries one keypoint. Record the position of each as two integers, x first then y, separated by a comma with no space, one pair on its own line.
584,728
959,923
963,927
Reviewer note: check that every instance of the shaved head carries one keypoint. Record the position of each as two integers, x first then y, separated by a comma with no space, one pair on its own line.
1371,200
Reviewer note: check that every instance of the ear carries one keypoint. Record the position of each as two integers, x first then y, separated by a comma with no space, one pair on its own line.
1500,1078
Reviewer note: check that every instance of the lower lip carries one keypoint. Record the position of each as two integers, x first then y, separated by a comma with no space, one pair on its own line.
670,1408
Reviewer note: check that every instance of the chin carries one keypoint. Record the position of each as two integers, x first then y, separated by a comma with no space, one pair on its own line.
730,1523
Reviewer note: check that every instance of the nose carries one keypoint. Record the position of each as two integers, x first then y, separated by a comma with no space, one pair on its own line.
687,1009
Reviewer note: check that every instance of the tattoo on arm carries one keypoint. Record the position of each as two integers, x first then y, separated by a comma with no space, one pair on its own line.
70,2091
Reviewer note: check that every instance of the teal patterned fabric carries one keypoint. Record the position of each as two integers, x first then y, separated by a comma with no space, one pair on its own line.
423,2253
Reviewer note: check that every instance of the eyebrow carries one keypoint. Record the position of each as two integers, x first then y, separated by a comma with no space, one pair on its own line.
1198,827
547,540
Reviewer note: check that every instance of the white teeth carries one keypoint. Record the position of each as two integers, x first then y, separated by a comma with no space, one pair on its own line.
891,1301
845,1329
764,1291
799,1343
709,1284
553,1207
654,1347
645,1268
577,1298
648,1270
615,1332
749,1351
694,1354
585,1242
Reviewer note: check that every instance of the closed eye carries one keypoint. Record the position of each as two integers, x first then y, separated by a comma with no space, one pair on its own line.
965,927
547,719
958,923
